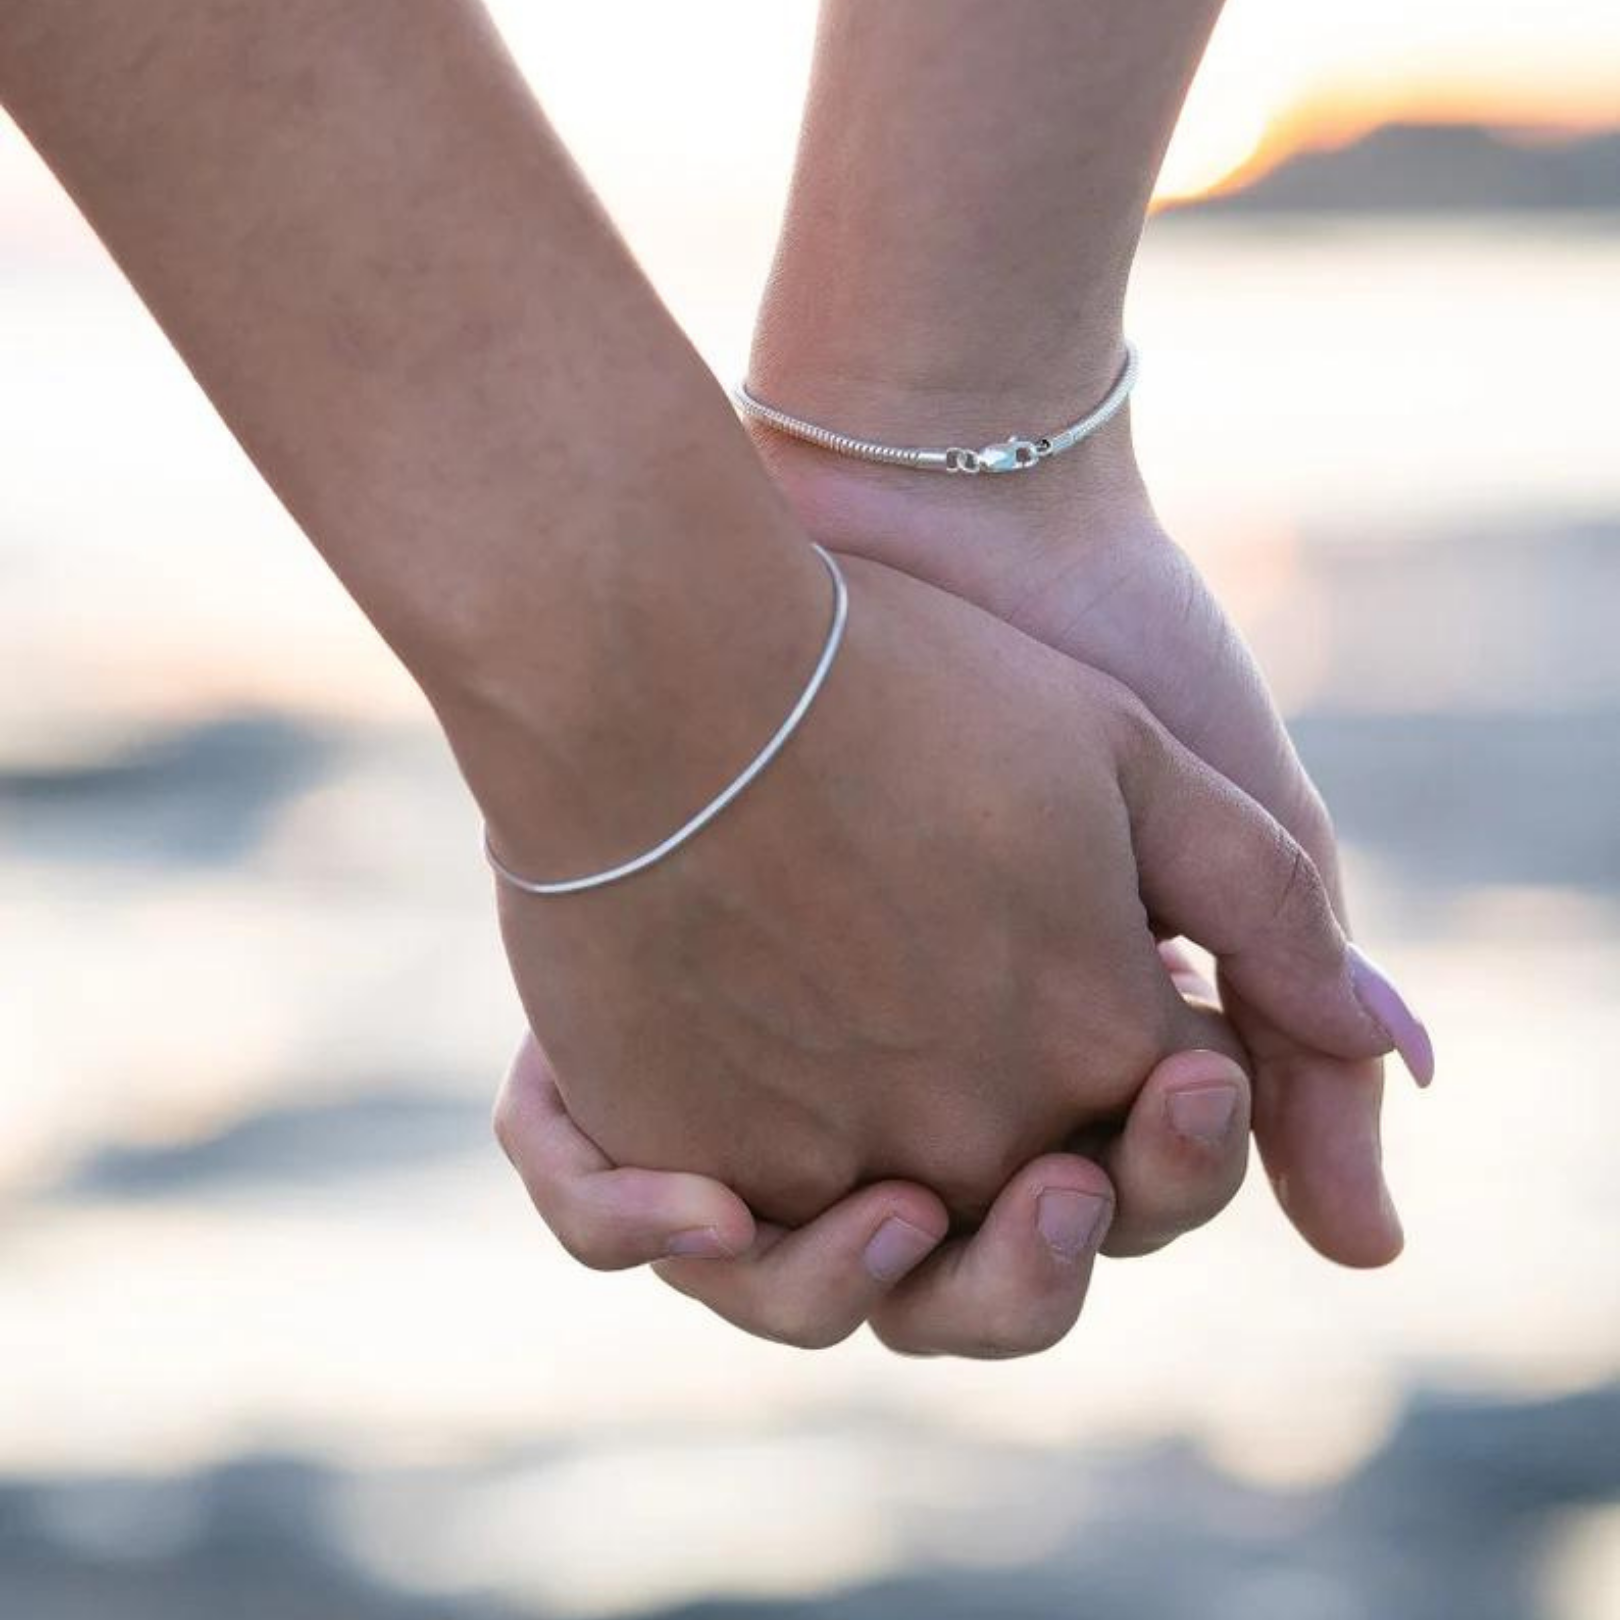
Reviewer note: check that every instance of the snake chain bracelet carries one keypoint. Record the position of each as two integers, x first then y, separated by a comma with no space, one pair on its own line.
1015,453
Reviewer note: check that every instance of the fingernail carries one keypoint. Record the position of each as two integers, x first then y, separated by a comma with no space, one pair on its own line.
1387,1008
1203,1114
697,1243
1069,1220
895,1248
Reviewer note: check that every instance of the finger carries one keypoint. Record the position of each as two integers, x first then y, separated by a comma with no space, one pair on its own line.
606,1217
1219,868
1186,974
813,1286
1316,1119
1181,1156
1017,1285
1197,1021
1316,1122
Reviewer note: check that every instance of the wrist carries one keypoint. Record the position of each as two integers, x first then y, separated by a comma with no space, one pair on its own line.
963,380
951,397
589,733
1087,498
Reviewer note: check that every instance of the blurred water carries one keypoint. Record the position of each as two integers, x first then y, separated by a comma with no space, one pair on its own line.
275,1322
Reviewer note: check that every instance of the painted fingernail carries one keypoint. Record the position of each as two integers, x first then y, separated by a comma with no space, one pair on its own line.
697,1243
895,1248
1387,1008
1069,1220
1203,1114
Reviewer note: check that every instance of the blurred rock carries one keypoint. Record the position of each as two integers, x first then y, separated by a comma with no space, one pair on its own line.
323,1144
1450,1519
200,796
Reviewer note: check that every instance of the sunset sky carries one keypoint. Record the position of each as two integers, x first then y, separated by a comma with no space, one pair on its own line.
1281,74
706,97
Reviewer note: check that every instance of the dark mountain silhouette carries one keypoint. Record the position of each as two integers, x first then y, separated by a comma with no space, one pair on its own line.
1435,168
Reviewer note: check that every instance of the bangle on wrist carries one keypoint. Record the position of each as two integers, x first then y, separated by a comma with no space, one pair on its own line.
751,772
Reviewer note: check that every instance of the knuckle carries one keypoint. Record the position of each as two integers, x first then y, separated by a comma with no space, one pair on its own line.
1130,725
804,1177
1293,866
1299,896
1098,1061
797,1323
971,1174
1146,1231
1009,1335
900,1337
503,1120
579,1240
1311,821
1017,1329
1136,1245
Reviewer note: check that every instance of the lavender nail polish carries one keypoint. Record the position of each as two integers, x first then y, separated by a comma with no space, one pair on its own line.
1386,1006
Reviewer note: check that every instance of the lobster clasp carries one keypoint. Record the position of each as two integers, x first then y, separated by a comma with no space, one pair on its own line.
1011,455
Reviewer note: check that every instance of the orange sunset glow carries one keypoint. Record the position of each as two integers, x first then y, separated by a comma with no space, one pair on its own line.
1279,79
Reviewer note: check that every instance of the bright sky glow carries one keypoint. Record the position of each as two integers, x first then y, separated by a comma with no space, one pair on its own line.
1279,74
640,85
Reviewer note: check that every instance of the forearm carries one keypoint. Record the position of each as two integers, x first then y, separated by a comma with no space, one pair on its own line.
358,231
971,185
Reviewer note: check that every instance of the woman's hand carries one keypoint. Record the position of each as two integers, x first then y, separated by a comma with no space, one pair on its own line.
916,312
1072,554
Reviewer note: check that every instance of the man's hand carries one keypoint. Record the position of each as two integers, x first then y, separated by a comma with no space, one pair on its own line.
1014,1287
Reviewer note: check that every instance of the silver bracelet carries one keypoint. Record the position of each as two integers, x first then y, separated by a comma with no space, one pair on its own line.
755,768
1012,454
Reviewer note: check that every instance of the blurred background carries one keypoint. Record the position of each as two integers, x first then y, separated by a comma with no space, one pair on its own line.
278,1333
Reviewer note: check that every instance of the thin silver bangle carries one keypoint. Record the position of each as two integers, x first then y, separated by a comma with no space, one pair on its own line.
1012,454
756,767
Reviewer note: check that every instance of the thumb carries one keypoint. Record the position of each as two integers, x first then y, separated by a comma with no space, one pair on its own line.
1219,868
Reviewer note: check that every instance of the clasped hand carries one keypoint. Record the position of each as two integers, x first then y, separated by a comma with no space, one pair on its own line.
894,1039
